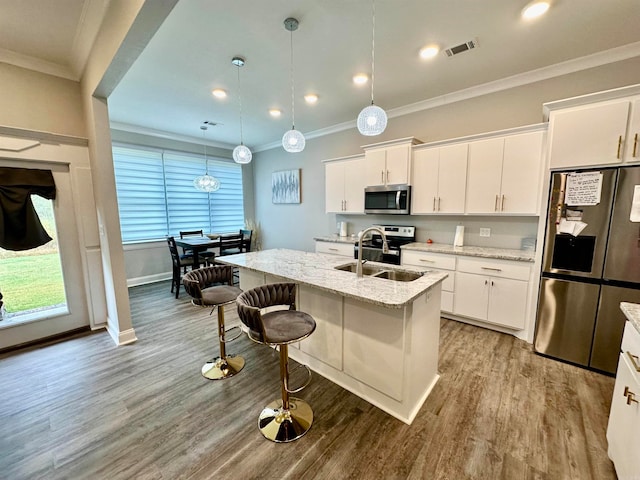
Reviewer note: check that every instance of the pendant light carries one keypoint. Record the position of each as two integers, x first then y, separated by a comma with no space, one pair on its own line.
206,183
372,119
292,141
241,154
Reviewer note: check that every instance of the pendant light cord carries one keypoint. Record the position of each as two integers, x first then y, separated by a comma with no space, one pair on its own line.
206,164
293,111
240,102
373,45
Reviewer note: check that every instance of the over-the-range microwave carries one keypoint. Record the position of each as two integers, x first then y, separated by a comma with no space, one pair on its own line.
387,199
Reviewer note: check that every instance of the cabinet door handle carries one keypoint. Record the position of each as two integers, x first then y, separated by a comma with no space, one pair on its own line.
492,283
492,269
502,204
630,396
619,146
438,203
381,176
434,204
387,176
634,361
495,205
486,281
345,205
635,144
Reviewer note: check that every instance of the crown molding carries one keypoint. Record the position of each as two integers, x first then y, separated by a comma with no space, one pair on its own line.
127,127
36,64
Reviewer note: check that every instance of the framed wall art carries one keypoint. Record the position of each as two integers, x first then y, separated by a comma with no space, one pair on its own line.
285,186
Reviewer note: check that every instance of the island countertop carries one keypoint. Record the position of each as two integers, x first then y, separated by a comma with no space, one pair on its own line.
318,270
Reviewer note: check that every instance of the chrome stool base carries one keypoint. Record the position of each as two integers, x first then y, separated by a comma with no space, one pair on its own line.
280,425
221,368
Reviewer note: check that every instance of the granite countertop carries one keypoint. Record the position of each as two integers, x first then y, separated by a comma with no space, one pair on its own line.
632,312
484,252
317,270
337,239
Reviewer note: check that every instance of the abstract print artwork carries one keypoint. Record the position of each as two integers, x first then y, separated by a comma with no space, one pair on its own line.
285,186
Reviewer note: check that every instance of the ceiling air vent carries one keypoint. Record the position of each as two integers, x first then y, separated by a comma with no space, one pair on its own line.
463,47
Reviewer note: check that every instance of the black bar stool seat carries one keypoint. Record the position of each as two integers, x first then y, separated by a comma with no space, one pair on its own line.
199,284
288,418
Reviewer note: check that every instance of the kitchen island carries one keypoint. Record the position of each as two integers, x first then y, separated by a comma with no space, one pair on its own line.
375,337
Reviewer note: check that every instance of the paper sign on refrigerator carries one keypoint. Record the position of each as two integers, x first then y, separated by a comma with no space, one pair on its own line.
583,188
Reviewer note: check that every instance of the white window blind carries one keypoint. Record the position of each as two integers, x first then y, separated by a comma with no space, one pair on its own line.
183,207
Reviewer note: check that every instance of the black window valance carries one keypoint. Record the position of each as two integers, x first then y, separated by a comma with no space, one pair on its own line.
20,227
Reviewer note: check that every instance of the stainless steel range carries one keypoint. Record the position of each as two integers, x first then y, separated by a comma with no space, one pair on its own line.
397,235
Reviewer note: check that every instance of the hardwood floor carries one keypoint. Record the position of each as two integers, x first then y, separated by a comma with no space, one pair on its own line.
84,408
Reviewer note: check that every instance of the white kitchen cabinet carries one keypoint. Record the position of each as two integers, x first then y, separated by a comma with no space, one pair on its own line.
439,176
335,248
504,174
437,262
623,430
389,163
589,134
344,185
493,291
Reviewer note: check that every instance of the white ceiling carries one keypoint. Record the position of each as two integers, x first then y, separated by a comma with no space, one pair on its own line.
167,89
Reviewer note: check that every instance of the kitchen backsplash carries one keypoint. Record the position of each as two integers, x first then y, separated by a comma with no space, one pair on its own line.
505,232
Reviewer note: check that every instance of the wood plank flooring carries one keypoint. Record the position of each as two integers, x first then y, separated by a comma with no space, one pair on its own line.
86,409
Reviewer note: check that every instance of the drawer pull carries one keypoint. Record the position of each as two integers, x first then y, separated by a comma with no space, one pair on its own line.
630,396
634,361
427,261
333,249
492,269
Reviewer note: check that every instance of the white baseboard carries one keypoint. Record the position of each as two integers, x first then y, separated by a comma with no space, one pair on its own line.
158,277
122,338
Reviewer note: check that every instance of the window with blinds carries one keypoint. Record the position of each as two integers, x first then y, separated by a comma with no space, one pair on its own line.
156,196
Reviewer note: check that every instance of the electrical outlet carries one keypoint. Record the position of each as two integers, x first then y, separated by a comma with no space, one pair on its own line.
485,232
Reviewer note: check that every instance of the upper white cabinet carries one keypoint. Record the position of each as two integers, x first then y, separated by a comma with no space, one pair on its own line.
439,178
504,174
389,163
344,185
596,129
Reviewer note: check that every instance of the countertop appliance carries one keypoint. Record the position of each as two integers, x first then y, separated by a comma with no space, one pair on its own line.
387,199
591,263
397,235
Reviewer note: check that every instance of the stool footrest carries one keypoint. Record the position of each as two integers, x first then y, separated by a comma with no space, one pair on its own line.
227,340
299,389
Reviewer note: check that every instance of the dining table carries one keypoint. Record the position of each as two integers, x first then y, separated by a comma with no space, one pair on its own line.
198,245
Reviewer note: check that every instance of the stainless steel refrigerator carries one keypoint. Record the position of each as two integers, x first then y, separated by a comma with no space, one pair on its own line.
591,263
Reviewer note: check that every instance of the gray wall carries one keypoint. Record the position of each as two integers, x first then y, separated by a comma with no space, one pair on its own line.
294,226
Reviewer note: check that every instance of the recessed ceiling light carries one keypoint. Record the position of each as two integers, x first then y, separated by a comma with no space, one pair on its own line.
219,93
274,112
360,78
311,98
535,9
429,51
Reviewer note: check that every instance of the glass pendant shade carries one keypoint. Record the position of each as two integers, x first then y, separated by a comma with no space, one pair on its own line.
372,120
242,154
206,183
293,141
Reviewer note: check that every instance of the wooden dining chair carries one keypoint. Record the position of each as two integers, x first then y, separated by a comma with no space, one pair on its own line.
178,263
206,256
232,244
246,236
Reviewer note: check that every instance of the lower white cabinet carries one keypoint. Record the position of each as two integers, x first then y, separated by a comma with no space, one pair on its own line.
623,431
334,248
493,291
437,262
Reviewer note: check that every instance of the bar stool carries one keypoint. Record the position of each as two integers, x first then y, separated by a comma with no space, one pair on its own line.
198,283
290,418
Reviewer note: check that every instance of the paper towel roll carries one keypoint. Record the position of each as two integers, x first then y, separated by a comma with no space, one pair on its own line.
458,240
343,229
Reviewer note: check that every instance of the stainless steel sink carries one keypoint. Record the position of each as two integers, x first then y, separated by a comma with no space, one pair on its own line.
398,275
366,269
382,272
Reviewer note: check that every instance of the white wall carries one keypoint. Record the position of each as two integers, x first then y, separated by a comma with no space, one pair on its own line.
294,226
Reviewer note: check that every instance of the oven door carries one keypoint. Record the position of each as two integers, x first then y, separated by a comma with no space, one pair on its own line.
375,255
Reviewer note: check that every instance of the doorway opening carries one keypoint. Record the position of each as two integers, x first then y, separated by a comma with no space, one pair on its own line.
31,281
